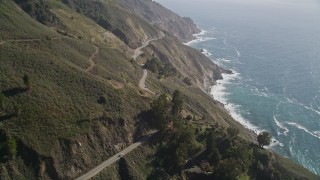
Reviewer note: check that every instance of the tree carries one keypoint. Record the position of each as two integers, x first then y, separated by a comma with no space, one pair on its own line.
264,138
102,100
210,141
1,101
233,132
11,147
214,156
153,65
187,81
17,110
229,169
160,110
26,81
177,102
241,152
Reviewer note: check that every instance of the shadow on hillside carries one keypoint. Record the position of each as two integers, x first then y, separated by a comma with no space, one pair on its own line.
6,117
14,91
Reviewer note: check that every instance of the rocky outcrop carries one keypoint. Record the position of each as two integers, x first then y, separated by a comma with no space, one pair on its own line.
188,61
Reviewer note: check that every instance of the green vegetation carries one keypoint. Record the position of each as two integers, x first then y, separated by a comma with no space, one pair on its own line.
2,101
187,81
26,81
264,139
226,155
11,147
178,141
110,16
160,68
72,119
40,10
8,147
177,103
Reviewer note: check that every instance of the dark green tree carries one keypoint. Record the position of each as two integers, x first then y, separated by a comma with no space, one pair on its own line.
17,110
264,138
214,156
160,111
177,102
2,97
187,81
26,81
181,147
153,65
11,147
229,169
243,153
210,141
233,132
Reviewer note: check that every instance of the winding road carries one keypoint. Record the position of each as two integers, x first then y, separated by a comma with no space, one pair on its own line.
92,57
116,157
137,53
142,82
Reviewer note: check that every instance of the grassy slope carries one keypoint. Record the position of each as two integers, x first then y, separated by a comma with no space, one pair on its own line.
63,101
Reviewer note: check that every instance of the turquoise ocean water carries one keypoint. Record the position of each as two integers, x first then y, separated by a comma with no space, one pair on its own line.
273,46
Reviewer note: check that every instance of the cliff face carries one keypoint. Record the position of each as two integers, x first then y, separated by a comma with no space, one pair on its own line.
189,62
154,13
83,103
80,110
145,20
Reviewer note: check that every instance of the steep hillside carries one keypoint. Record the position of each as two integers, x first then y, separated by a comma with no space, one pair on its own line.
60,113
189,62
129,28
70,95
181,27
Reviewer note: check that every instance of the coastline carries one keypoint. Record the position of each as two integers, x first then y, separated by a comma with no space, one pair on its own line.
198,38
217,92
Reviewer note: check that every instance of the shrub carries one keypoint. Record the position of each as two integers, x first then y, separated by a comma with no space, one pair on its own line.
153,65
177,102
102,100
189,118
26,81
233,132
2,98
187,81
264,138
11,148
17,110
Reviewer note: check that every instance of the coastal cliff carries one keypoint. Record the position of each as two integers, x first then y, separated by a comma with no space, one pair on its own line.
154,13
69,86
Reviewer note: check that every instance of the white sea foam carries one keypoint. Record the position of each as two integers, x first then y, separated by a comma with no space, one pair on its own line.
292,100
202,33
311,109
281,126
255,91
198,40
206,52
317,133
219,90
219,93
274,142
237,51
200,37
304,129
219,60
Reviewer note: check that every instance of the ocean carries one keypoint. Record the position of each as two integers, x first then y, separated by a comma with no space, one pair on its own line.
273,47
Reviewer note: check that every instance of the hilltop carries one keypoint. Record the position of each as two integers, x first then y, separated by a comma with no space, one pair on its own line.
70,95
